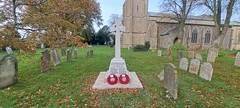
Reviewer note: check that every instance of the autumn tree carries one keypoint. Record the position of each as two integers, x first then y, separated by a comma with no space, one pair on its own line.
60,22
181,10
11,12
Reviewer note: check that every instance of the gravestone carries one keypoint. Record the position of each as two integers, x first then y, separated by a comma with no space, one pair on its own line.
56,58
63,51
9,50
194,66
171,80
75,53
191,54
237,60
183,64
161,75
199,57
42,46
206,71
211,57
69,55
45,61
117,75
169,53
159,53
179,54
90,53
8,71
214,50
0,57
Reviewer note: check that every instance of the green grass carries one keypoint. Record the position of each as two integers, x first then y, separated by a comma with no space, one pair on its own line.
69,85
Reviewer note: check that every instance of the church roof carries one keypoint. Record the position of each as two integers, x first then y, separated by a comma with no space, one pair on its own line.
168,31
201,17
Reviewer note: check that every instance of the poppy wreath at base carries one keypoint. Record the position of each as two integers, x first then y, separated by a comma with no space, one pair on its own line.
110,81
124,81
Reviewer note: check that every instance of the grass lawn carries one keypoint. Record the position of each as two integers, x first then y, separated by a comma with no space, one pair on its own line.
69,85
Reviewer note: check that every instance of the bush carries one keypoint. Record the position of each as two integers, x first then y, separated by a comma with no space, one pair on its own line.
178,47
142,47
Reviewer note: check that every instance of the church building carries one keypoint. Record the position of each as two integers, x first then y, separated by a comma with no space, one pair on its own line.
162,31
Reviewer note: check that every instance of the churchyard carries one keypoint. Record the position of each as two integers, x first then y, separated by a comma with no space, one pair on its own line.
70,84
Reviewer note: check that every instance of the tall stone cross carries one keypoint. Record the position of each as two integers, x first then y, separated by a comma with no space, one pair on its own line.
118,64
117,28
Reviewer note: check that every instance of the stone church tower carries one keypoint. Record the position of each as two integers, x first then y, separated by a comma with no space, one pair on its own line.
135,18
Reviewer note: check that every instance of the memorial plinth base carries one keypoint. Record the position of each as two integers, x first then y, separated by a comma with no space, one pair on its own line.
101,82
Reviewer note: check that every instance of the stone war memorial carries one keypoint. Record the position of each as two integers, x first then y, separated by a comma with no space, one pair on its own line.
117,75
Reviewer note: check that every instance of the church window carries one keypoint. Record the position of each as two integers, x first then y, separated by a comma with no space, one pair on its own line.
194,36
207,37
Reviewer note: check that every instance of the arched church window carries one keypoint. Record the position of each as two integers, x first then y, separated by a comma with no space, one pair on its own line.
207,37
194,36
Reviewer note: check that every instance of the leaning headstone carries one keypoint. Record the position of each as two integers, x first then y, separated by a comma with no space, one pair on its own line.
69,55
206,71
214,50
191,54
9,50
179,54
183,64
75,53
159,53
169,53
63,51
194,66
8,71
161,75
171,80
199,57
237,60
45,61
211,57
56,58
90,53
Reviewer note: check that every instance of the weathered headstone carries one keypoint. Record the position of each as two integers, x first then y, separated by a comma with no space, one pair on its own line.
159,53
199,57
184,64
42,46
9,50
161,75
191,54
63,51
45,61
0,57
90,53
8,71
194,66
211,57
237,60
56,58
214,50
69,55
75,53
179,54
206,71
171,80
169,53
